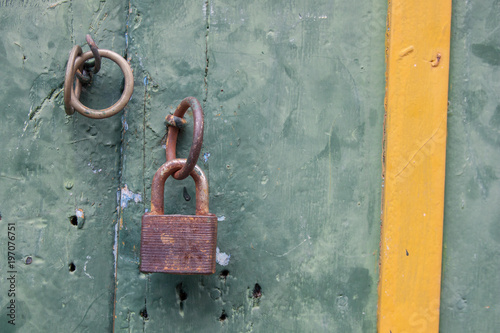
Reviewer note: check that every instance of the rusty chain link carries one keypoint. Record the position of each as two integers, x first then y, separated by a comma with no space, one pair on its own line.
177,121
85,76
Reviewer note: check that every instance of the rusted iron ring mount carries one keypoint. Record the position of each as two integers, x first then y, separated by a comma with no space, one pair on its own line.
72,94
173,131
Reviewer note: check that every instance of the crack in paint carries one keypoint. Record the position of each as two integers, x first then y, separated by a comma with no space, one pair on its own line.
33,112
85,268
207,59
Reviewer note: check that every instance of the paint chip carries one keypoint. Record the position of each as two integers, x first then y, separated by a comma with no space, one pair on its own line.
222,258
124,124
79,213
126,195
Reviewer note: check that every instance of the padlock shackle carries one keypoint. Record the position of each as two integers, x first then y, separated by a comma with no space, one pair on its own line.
158,187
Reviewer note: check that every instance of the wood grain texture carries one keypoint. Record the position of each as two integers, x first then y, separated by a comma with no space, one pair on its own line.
418,39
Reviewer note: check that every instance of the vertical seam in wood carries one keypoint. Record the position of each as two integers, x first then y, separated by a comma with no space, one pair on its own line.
207,59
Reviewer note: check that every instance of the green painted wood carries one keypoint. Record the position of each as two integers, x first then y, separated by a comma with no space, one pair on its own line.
471,283
53,164
293,101
167,52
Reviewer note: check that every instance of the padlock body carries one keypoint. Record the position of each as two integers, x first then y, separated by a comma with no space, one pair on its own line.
178,244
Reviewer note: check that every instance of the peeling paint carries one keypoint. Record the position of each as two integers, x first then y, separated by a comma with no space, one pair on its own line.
124,124
222,258
126,195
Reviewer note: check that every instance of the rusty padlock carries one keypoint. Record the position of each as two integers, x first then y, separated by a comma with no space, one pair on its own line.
178,244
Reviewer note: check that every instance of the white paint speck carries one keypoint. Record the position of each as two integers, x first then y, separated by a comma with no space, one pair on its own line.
85,268
222,258
94,169
221,218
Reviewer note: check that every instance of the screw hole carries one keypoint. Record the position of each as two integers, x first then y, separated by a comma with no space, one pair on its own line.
257,291
185,194
73,220
72,267
144,314
182,294
224,274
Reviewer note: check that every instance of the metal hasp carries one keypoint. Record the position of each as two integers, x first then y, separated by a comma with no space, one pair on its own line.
178,244
77,66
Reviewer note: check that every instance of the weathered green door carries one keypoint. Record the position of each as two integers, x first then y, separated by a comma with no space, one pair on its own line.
293,116
293,101
293,97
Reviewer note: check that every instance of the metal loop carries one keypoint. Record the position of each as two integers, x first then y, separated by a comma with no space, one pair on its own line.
76,51
95,52
72,95
194,152
85,77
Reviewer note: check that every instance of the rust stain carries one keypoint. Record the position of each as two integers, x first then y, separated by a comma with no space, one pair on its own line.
167,239
435,62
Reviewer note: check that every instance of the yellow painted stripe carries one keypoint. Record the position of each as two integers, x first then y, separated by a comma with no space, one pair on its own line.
418,53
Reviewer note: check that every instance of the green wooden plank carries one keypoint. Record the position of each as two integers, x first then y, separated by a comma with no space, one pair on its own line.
167,51
293,101
471,284
53,164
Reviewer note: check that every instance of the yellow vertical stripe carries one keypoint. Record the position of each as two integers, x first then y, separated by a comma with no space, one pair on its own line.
418,54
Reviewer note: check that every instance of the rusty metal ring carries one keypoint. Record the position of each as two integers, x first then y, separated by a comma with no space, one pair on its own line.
95,52
194,152
76,51
72,96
